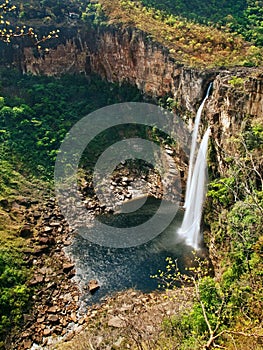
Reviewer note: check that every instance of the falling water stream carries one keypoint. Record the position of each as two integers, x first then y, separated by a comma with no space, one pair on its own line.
194,148
117,268
196,184
190,228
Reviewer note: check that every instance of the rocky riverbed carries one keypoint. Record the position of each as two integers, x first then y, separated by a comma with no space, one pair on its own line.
55,311
55,298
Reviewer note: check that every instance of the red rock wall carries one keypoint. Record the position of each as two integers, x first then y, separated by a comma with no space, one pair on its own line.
123,55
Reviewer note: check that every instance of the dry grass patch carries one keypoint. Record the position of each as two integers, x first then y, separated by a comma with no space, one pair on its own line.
131,320
189,43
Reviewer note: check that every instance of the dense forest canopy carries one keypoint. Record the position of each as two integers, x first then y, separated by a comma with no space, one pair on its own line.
242,16
36,113
206,10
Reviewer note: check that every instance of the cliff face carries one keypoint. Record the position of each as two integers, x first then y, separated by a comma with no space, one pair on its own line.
236,101
128,55
120,55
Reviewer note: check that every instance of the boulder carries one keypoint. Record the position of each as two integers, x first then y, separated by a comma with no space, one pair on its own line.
46,332
27,344
26,231
48,229
55,224
93,286
52,310
116,322
68,267
43,240
35,280
73,317
53,318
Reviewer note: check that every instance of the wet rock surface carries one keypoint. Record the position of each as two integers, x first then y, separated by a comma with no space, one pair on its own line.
55,311
93,286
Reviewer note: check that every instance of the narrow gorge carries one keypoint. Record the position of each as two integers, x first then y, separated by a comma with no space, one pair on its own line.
129,55
233,110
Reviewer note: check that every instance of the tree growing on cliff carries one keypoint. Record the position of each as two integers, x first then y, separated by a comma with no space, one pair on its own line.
211,321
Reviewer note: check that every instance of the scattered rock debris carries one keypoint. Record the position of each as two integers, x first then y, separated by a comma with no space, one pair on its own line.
55,311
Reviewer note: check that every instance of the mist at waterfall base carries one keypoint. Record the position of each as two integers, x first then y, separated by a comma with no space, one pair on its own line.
118,269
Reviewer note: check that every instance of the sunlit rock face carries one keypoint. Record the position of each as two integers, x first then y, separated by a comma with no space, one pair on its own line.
236,103
120,55
129,55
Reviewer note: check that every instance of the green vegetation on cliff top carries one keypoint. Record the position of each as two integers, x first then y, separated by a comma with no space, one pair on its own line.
189,42
197,33
241,16
36,112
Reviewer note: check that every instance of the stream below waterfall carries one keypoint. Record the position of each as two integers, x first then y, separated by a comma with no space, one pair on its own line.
117,269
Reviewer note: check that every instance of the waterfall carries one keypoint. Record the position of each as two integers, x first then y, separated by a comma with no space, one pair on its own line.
194,147
196,185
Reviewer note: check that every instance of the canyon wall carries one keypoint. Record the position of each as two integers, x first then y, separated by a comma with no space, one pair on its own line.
236,103
120,55
129,55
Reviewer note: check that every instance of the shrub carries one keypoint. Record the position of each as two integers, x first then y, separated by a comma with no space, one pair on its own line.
14,294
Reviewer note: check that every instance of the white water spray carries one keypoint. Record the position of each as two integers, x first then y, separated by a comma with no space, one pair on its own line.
194,147
196,185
